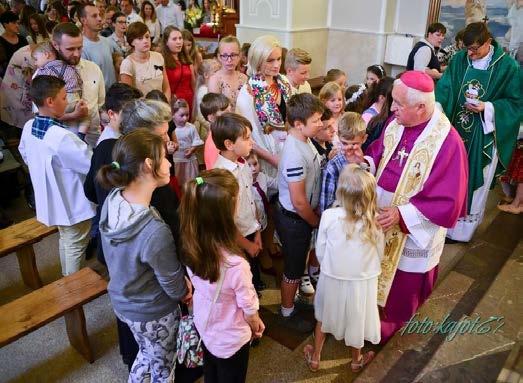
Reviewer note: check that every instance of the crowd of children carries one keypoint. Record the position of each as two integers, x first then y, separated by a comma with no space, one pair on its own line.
321,203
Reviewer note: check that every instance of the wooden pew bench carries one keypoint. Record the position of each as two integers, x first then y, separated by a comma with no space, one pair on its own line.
64,297
20,238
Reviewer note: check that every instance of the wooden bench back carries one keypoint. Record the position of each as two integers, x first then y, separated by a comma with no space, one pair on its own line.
22,234
34,310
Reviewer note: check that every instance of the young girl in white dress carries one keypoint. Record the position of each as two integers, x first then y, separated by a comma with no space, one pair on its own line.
184,158
349,247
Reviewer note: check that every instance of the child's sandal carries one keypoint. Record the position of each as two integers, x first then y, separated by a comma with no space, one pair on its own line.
365,359
308,351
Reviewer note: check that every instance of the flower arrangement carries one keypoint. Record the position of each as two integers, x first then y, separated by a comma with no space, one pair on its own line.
193,17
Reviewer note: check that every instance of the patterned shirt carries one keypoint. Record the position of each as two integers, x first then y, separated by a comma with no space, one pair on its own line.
331,173
41,124
68,73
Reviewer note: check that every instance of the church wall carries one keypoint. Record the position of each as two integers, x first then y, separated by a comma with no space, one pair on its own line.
345,34
267,14
353,52
300,23
356,36
309,14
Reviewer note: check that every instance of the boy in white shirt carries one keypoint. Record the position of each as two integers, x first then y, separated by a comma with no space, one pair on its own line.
231,134
58,162
298,68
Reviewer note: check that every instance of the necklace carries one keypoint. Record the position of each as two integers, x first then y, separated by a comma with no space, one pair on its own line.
274,90
402,154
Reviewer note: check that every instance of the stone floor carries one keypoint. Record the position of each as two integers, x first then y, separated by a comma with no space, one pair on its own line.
483,277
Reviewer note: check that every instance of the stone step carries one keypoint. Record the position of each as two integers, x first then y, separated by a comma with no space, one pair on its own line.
481,351
483,283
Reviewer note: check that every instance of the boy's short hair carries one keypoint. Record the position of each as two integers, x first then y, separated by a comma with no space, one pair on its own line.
351,125
296,57
118,94
436,27
43,87
212,103
8,17
44,47
327,115
80,9
302,106
229,126
69,29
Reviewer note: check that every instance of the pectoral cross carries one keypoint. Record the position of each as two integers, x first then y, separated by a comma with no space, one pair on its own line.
401,155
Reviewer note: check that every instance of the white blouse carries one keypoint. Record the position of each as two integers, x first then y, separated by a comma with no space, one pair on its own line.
154,29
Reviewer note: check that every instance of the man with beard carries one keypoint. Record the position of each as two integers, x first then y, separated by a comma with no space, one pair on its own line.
67,40
96,48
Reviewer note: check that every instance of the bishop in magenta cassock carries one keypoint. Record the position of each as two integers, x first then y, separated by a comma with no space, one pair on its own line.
421,169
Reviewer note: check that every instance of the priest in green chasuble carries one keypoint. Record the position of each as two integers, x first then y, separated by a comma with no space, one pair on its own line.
480,92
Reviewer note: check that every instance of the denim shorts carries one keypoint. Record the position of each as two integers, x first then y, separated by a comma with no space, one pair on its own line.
295,235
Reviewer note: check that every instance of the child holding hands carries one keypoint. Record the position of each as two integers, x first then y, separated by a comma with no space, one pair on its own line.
349,247
225,301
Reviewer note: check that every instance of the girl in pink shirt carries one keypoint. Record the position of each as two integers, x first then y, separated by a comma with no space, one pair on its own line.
225,301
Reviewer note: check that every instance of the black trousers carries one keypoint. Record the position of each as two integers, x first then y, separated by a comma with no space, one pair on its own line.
230,370
254,263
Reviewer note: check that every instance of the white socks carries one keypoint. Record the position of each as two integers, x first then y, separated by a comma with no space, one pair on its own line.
286,312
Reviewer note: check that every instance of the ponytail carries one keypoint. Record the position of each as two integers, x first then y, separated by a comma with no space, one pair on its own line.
129,154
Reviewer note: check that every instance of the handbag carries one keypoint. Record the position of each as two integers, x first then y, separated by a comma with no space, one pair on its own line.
189,350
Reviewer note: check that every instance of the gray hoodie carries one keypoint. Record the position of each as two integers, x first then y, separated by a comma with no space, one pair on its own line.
147,280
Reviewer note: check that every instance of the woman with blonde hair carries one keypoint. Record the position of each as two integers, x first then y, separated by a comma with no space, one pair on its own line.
262,100
345,304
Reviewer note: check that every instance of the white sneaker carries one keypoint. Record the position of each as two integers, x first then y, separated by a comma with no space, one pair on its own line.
306,287
314,277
